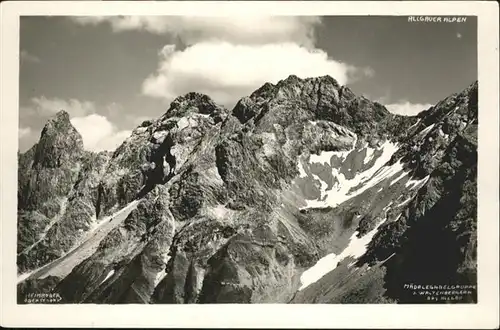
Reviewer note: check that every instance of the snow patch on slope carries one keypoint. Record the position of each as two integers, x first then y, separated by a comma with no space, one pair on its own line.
325,156
402,175
426,130
111,272
340,192
412,184
356,248
302,172
23,276
404,202
382,174
369,155
416,123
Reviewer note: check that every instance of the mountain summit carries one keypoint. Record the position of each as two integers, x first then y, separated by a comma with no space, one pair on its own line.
303,193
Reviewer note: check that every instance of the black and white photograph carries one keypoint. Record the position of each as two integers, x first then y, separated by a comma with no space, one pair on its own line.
249,159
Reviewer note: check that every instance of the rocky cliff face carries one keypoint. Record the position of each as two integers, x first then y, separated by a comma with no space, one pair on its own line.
304,192
57,195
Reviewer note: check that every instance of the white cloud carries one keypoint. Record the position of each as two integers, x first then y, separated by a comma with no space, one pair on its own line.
406,108
98,133
48,107
235,29
27,57
24,132
229,57
227,72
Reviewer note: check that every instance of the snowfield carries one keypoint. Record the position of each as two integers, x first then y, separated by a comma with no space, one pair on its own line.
356,248
340,192
345,189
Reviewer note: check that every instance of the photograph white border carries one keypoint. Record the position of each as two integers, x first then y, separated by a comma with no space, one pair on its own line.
484,314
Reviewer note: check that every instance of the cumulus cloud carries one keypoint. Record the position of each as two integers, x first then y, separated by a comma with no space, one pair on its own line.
24,132
98,132
227,72
48,107
229,57
406,108
27,57
234,29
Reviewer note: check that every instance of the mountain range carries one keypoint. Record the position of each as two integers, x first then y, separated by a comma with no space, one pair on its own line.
303,193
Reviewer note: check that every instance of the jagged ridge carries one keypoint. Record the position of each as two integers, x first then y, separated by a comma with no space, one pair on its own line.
234,206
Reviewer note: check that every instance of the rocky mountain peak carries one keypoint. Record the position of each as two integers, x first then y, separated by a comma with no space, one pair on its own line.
294,100
59,122
61,115
193,102
293,86
59,142
295,80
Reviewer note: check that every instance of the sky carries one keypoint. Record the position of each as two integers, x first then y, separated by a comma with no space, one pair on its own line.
111,73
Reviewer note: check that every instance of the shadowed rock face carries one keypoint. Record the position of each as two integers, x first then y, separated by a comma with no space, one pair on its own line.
56,193
234,206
